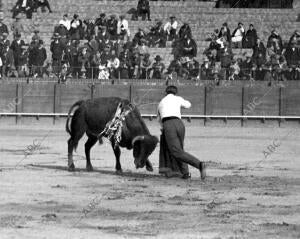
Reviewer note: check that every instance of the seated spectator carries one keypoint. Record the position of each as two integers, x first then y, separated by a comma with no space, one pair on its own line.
125,64
112,27
101,20
3,41
170,28
225,32
143,48
250,37
39,58
62,31
238,35
190,68
145,66
226,56
185,29
157,68
76,29
234,70
3,27
188,47
94,45
123,28
103,34
143,9
139,36
205,69
95,63
275,40
295,38
17,27
246,67
43,4
103,71
113,65
25,6
65,22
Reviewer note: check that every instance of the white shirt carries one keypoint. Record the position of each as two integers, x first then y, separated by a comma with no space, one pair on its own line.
124,22
168,26
24,3
66,23
170,106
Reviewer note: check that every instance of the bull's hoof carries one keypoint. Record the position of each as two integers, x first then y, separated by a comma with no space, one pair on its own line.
89,168
119,172
149,168
71,168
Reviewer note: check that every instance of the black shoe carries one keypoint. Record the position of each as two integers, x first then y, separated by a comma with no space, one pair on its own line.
202,169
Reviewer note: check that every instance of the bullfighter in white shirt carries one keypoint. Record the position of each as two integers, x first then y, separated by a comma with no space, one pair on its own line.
173,133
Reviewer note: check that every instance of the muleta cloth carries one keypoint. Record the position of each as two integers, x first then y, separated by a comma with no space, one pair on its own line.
113,128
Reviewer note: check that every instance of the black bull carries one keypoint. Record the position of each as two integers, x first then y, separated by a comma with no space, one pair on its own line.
91,116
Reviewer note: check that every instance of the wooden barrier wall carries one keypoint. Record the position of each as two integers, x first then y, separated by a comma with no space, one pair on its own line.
236,99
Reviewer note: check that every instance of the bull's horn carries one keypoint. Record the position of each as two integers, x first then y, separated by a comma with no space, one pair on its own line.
136,138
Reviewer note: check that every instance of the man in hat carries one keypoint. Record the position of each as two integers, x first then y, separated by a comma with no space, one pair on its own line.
39,55
17,27
173,158
250,37
36,37
25,6
143,9
170,28
62,31
57,49
157,68
16,46
101,20
3,27
188,47
275,41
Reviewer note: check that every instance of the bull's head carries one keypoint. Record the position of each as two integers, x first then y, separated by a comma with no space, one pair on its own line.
143,146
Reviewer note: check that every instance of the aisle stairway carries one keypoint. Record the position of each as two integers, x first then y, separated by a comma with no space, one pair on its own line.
202,17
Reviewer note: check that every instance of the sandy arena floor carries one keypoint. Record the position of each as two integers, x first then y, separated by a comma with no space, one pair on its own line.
246,194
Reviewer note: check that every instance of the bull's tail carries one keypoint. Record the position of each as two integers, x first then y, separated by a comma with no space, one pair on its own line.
73,108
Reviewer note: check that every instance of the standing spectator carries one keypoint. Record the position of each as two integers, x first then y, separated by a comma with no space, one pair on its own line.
25,6
259,53
16,46
250,37
83,59
3,27
94,44
42,4
103,34
145,66
275,40
3,41
238,35
65,22
17,27
22,68
143,48
76,28
36,37
8,61
170,28
40,57
139,36
157,68
95,63
113,65
89,29
292,55
112,26
123,28
143,9
100,22
57,49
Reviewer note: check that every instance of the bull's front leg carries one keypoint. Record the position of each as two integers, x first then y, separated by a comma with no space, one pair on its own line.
117,152
149,166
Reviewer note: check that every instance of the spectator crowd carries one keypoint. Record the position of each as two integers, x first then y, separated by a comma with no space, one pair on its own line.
105,48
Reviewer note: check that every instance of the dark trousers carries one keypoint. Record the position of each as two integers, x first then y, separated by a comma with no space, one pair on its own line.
174,131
